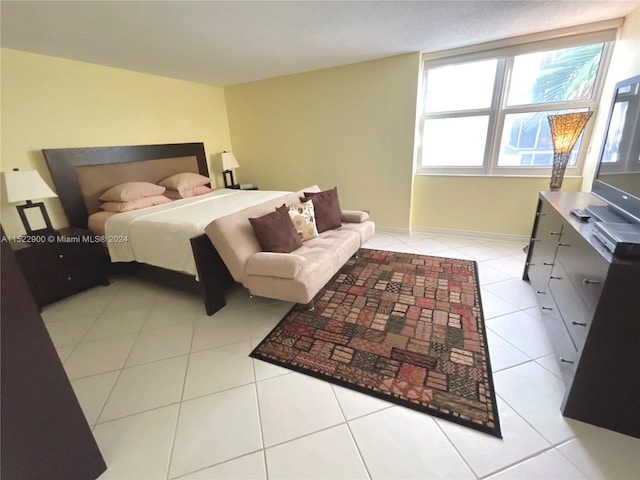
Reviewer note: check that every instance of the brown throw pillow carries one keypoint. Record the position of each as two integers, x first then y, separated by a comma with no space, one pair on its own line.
275,232
327,209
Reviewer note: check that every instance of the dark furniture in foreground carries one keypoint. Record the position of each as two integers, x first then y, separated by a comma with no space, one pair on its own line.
57,267
590,306
44,432
62,162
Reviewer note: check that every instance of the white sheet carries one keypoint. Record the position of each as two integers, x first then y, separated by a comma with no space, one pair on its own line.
160,235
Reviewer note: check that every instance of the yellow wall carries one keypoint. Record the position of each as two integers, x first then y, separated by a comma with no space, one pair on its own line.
625,63
50,102
503,205
351,127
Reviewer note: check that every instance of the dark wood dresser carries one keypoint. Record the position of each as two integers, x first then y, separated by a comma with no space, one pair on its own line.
61,265
590,305
44,433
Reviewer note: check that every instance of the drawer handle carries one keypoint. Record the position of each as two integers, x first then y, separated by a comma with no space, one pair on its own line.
582,324
546,308
555,233
61,256
548,264
68,278
530,264
540,214
541,292
551,277
535,240
564,360
560,244
586,281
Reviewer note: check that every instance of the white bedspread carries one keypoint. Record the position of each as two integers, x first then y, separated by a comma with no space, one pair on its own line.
160,235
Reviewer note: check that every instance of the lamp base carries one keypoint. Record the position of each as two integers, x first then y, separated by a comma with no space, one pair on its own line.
229,183
560,160
48,230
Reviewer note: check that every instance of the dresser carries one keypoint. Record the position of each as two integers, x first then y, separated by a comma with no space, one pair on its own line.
589,301
44,433
61,265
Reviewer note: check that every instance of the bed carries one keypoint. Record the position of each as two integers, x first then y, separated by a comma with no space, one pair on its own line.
176,247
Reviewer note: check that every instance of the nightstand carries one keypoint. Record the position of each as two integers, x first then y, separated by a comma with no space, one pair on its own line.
243,186
63,264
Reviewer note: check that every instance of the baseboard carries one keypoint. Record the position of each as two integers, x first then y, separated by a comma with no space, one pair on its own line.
396,230
497,237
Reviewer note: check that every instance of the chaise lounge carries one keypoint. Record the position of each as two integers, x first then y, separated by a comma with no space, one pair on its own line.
296,276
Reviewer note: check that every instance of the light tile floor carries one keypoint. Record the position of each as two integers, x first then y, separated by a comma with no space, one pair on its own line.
171,393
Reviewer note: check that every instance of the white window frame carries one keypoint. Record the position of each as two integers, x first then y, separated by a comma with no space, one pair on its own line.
505,52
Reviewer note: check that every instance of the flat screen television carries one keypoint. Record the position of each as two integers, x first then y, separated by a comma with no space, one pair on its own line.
617,179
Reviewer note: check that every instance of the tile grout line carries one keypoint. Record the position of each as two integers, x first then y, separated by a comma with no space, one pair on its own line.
453,445
578,467
95,424
353,438
119,371
263,450
265,463
184,383
75,346
253,452
182,400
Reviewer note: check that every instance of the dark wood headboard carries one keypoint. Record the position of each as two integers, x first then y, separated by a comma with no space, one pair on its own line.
62,163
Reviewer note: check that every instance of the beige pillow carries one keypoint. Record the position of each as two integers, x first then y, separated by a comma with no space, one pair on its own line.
303,218
128,191
134,204
184,181
188,192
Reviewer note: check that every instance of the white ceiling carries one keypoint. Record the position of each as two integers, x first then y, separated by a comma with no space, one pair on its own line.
229,42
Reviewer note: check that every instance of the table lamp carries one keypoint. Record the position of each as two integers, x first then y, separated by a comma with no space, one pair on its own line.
229,162
565,130
26,185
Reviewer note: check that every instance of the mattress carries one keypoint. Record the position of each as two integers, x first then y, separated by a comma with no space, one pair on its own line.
160,235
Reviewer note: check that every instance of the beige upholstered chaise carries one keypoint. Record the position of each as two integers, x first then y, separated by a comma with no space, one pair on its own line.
297,276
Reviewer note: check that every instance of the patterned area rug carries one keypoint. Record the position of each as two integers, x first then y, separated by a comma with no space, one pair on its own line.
405,328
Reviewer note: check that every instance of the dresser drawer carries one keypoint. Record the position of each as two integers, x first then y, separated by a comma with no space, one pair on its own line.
543,249
44,272
545,241
55,270
586,270
74,260
574,311
563,348
539,278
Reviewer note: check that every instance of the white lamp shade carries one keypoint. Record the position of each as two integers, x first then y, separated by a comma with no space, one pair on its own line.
228,161
21,185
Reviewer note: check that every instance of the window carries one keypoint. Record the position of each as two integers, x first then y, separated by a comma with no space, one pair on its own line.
486,112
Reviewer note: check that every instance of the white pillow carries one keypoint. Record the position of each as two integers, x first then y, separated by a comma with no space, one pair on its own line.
304,219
